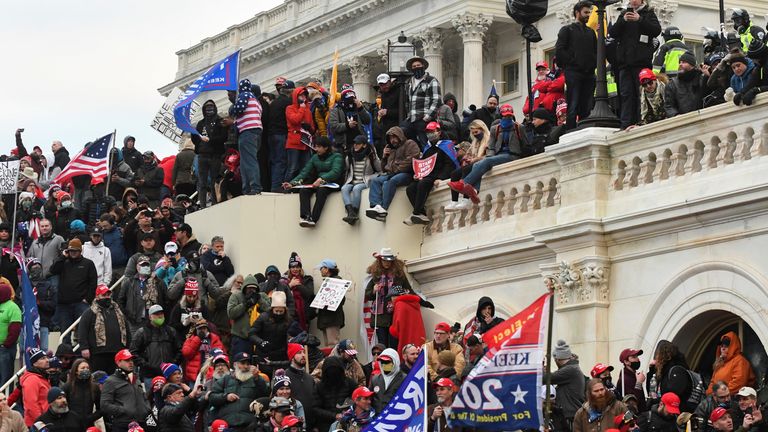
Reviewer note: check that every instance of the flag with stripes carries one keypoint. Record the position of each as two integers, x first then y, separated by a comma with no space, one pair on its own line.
92,161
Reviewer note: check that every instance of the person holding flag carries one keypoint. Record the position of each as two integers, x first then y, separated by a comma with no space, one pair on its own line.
10,327
90,161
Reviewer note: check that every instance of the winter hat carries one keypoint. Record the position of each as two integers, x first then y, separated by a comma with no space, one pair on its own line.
77,226
54,393
294,260
158,381
447,358
75,244
687,57
100,376
562,351
278,299
53,362
35,354
280,382
757,50
271,269
169,369
293,349
562,108
191,287
26,195
249,280
542,113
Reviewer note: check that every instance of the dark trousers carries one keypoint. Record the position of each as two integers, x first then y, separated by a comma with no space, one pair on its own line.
456,175
384,337
580,91
305,195
418,192
185,188
103,362
68,314
208,167
241,345
629,92
415,131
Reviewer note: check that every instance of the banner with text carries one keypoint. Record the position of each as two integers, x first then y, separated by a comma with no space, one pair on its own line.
9,177
331,293
422,167
502,391
222,76
405,411
164,123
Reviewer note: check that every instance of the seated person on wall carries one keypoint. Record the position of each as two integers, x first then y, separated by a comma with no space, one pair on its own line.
542,131
362,165
397,170
320,175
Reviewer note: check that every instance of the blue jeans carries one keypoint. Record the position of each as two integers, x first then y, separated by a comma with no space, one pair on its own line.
352,194
249,142
7,366
296,160
277,160
67,314
383,188
485,165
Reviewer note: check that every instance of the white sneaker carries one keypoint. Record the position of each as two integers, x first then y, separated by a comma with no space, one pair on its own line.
452,206
408,221
380,210
464,204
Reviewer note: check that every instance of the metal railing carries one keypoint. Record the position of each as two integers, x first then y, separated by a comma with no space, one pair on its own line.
6,387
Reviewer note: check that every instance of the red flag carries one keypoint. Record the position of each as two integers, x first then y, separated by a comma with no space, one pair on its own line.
515,328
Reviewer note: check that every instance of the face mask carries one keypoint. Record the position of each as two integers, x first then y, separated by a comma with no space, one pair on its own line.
36,273
66,204
479,136
301,99
192,267
26,204
105,302
635,365
202,334
433,137
387,367
145,270
158,321
418,73
84,375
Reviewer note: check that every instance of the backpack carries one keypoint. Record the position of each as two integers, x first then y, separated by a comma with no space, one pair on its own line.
698,391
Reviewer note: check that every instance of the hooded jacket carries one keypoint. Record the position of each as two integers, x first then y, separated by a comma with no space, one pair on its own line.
736,370
582,423
448,119
338,125
334,387
193,356
124,175
153,177
240,310
210,126
407,323
296,118
739,83
400,160
102,260
35,394
132,156
484,327
385,385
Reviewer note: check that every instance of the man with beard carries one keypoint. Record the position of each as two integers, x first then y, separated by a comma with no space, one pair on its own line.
685,93
122,397
630,378
59,418
410,354
209,147
442,343
438,413
242,304
303,386
489,112
663,416
598,412
569,380
175,413
233,394
386,383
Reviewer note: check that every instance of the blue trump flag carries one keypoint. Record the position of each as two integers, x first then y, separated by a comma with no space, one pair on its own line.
222,76
31,315
502,392
406,410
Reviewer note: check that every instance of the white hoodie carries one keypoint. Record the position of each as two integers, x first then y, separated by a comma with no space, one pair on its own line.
101,258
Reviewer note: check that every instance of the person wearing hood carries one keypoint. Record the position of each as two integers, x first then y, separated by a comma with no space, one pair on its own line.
247,112
149,178
120,174
243,309
347,120
598,412
183,176
397,170
332,389
450,123
209,148
685,93
66,212
96,251
385,384
731,366
278,132
35,383
742,68
569,380
207,284
10,328
301,127
131,155
485,316
362,165
543,131
139,292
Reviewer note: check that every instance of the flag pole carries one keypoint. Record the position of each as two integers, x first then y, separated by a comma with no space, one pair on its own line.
15,208
551,312
109,163
426,385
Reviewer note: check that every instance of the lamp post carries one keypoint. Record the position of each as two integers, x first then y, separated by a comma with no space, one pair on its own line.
398,54
601,115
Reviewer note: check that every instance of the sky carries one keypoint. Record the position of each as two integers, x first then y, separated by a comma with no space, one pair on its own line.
75,70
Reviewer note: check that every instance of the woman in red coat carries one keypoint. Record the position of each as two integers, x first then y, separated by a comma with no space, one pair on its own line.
407,325
298,118
197,348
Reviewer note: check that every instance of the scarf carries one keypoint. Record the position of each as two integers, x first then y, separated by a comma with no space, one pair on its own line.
149,292
506,131
358,156
101,329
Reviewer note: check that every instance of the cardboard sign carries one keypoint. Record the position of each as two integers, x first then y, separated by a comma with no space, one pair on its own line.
422,167
331,294
164,121
9,177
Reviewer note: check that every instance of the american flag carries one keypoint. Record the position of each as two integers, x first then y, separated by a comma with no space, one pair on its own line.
92,161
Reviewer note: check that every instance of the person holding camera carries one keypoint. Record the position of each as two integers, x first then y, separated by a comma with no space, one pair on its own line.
749,416
243,307
189,311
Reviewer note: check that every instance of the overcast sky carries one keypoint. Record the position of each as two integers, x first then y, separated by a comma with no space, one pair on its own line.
75,70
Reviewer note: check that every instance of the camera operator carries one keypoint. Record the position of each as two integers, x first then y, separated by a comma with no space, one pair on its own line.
749,416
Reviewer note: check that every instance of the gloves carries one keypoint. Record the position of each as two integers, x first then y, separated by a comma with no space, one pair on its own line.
749,96
256,407
737,99
264,344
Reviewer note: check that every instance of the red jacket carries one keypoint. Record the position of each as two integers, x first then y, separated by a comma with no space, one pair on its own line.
167,165
35,396
538,94
553,91
407,325
192,355
295,115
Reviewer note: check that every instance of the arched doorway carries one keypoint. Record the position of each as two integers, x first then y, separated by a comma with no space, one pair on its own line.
698,339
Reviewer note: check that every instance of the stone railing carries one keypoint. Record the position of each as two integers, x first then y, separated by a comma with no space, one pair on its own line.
517,189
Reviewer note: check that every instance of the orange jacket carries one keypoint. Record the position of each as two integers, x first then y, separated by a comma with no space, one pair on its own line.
35,396
736,370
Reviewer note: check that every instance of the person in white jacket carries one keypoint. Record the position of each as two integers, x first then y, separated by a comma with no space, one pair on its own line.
95,251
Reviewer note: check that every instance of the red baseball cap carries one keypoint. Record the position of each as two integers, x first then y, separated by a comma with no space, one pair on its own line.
717,414
542,63
506,109
123,354
433,126
443,327
629,352
290,421
443,382
672,402
219,425
600,368
361,392
101,289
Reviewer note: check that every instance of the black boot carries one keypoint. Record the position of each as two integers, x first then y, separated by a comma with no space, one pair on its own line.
350,218
355,214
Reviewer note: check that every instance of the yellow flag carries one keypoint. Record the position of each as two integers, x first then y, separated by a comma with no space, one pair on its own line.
334,85
592,22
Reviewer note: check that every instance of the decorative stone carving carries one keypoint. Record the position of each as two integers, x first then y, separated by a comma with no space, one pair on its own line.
383,53
360,68
431,40
489,48
665,9
565,13
584,283
325,76
471,26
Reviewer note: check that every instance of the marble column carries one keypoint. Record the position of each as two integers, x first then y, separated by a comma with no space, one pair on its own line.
472,28
360,68
432,41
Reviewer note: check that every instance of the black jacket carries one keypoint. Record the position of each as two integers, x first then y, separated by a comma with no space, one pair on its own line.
304,389
61,158
391,102
383,396
153,177
685,93
133,158
481,304
275,333
154,346
333,388
68,422
635,39
576,48
86,332
277,122
173,418
220,268
485,115
123,402
653,421
216,133
47,299
83,400
77,279
61,220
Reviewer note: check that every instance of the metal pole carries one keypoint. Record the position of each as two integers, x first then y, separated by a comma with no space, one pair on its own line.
13,221
109,163
528,73
722,14
547,401
601,115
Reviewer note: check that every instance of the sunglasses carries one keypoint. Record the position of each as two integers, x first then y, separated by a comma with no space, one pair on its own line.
726,342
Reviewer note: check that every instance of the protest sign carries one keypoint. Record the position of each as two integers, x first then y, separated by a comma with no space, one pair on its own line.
422,167
9,176
331,293
164,123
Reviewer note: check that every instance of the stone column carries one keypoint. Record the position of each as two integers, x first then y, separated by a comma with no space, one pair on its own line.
432,41
472,28
360,68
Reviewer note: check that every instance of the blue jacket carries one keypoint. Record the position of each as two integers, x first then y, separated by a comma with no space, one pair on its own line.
738,83
114,241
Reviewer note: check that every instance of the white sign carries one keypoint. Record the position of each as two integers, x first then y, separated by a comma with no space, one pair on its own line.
331,293
164,123
9,177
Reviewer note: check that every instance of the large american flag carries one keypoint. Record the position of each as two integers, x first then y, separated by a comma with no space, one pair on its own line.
92,161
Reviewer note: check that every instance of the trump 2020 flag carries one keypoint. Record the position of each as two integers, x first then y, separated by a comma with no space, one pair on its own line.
31,315
222,76
406,410
501,392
